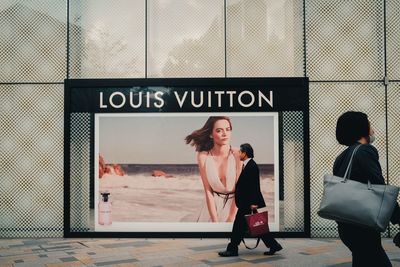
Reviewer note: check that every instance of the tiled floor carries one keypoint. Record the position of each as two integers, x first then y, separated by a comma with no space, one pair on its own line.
174,252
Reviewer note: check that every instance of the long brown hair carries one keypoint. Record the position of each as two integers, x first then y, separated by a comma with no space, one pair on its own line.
201,138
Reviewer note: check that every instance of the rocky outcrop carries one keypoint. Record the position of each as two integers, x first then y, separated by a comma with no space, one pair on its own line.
159,173
114,169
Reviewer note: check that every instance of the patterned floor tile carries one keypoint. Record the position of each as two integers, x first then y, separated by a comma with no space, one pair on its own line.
206,255
297,252
65,264
115,262
316,250
237,264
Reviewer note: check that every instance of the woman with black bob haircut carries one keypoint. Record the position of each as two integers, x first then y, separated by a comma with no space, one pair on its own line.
351,126
352,129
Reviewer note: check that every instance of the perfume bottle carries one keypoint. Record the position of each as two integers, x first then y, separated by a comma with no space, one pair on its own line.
105,217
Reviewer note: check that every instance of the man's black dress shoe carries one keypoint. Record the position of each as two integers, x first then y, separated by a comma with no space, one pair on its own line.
227,253
273,249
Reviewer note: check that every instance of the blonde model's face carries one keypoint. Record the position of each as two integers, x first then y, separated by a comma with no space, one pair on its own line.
221,133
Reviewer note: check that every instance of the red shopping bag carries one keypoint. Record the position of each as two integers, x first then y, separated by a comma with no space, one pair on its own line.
257,223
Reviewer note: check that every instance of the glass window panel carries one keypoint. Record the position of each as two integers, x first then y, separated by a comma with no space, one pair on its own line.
186,38
264,38
107,39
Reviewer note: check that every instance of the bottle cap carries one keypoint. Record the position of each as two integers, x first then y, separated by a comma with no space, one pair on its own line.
105,196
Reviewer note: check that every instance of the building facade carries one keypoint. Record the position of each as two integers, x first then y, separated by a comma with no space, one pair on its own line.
348,49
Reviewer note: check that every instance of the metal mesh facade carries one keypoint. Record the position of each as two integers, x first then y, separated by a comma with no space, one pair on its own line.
24,55
344,40
393,37
329,41
293,205
327,102
394,138
31,160
80,140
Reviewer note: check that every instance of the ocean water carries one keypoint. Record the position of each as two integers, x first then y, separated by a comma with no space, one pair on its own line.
266,170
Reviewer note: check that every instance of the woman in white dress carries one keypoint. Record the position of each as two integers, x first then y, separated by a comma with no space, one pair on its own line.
219,167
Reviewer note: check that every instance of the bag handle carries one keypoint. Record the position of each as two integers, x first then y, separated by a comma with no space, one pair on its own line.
254,211
258,241
348,169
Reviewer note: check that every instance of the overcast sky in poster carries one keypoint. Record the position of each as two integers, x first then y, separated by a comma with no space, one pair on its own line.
159,138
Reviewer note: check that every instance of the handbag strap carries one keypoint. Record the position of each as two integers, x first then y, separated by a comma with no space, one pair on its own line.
348,169
258,241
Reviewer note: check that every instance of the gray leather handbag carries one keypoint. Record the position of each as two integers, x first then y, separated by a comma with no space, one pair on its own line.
345,200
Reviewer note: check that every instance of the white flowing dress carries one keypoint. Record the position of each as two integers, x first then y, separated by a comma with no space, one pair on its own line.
223,196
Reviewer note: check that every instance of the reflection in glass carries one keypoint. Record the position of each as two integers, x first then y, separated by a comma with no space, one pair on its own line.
264,38
107,39
185,38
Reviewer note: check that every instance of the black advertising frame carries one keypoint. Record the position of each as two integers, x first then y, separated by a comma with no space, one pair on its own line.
282,86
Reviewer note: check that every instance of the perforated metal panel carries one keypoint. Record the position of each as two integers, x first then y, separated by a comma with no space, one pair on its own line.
31,160
186,38
393,37
107,39
327,102
293,152
344,40
264,38
32,41
80,140
394,138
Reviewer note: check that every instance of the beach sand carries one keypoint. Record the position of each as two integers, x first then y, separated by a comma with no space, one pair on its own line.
144,198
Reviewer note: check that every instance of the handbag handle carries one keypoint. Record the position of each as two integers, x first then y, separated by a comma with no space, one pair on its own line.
258,241
348,169
253,211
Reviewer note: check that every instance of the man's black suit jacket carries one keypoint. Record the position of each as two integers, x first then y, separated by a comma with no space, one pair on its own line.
247,191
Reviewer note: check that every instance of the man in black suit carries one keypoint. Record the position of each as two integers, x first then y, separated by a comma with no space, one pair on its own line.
248,197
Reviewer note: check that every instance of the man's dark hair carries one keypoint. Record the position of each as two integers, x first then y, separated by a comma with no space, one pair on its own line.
246,148
351,126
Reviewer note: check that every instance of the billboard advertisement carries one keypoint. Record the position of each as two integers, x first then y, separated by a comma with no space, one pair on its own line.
155,179
161,157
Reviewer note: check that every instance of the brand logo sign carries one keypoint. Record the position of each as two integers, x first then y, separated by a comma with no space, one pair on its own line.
258,223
